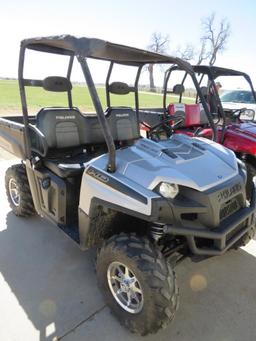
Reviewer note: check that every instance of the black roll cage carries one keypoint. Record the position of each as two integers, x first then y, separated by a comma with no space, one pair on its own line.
168,73
213,72
83,48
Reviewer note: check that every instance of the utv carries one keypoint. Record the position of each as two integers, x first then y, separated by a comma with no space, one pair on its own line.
235,128
237,131
141,202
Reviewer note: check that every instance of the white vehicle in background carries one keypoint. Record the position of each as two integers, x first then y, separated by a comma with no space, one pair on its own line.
237,99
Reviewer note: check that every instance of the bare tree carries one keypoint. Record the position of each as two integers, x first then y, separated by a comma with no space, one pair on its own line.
160,44
203,54
187,52
214,39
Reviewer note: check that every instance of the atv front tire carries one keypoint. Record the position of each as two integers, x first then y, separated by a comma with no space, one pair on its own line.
18,191
138,284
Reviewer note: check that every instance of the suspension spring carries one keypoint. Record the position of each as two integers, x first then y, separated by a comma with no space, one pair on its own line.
157,231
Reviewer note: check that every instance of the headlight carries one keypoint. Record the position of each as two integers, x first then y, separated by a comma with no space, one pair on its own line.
247,115
168,190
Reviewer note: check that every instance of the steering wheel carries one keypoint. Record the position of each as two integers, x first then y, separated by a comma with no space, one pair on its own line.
165,127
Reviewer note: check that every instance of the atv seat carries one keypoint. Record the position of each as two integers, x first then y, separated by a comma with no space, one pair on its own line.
68,133
64,133
67,167
194,118
194,114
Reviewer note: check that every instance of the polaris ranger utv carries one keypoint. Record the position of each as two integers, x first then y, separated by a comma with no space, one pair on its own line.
140,201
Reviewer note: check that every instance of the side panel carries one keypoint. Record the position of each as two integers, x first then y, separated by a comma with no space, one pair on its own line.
55,199
102,196
49,193
12,137
239,142
99,184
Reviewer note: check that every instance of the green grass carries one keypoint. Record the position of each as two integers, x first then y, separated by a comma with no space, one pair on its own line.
38,98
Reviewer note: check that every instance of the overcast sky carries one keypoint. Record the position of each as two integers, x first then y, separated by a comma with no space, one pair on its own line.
128,22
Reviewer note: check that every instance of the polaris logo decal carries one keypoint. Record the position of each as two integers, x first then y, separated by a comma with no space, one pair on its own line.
97,175
62,117
229,192
122,115
116,185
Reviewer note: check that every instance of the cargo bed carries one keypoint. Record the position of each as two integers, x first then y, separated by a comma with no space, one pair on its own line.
12,136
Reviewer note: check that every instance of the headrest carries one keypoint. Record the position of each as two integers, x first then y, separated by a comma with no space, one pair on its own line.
57,84
204,90
119,88
178,89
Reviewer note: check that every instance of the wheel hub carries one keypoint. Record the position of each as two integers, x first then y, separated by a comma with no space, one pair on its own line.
126,284
125,287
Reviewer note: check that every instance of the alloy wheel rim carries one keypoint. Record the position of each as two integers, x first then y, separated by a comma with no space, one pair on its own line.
14,192
125,287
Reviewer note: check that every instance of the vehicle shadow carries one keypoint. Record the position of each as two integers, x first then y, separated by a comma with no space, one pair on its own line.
53,281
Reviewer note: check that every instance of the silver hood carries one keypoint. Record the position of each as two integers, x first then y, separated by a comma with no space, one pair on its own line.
192,162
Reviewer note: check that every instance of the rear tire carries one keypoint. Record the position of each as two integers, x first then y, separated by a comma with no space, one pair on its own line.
18,191
150,301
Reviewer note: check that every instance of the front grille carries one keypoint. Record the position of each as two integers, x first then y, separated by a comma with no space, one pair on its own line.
228,208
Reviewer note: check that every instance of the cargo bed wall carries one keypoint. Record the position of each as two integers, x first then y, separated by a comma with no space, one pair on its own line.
12,137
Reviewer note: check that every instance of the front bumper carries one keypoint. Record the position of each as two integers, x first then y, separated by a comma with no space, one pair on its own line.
216,242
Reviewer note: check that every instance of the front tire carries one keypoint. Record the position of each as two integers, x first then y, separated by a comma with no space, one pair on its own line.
18,191
138,284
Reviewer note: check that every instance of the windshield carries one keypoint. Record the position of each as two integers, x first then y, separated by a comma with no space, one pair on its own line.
238,96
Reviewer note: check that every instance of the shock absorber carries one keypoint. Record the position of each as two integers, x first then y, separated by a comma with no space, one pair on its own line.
157,230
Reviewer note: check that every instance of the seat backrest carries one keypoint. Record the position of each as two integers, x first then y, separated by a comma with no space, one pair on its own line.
61,127
123,123
65,128
193,114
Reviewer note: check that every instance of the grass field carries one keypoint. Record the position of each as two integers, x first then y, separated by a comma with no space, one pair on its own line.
38,98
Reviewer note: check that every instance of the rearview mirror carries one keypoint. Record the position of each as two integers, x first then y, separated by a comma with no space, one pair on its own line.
247,115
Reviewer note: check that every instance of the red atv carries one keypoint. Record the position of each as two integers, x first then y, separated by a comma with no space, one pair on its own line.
235,125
